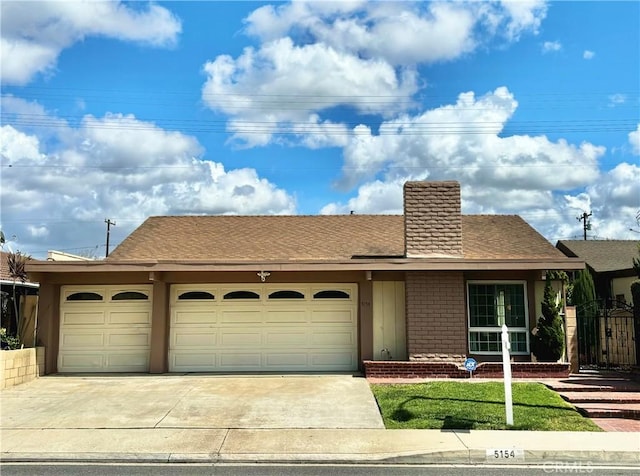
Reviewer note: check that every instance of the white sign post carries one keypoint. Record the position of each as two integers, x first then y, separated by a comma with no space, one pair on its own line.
506,368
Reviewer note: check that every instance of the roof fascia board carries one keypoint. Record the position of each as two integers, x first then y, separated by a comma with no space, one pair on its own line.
26,284
357,265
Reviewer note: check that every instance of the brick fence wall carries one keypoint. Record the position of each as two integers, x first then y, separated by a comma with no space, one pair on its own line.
417,369
20,366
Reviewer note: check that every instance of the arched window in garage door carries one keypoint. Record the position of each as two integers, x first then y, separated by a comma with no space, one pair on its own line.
241,295
84,296
331,294
130,296
196,296
286,295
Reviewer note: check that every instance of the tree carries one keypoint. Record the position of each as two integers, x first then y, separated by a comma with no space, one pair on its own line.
16,262
636,262
584,290
547,339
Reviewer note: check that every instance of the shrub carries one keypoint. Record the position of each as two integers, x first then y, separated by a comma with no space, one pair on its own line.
8,342
547,339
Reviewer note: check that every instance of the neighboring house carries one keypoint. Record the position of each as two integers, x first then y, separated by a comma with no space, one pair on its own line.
299,293
53,255
7,285
610,263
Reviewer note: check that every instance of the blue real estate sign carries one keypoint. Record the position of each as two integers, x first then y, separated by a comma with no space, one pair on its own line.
470,364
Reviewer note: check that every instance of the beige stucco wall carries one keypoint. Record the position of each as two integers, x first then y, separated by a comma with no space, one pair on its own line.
571,330
539,297
20,366
623,286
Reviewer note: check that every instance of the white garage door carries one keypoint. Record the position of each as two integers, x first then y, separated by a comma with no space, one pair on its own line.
269,327
105,329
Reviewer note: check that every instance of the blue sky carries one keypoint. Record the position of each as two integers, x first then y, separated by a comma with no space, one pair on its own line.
125,110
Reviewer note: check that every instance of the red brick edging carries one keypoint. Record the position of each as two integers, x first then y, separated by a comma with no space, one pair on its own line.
419,369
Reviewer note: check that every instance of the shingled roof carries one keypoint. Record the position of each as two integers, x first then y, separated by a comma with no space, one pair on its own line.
318,238
602,255
5,275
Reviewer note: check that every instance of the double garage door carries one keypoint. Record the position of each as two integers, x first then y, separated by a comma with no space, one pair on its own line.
213,328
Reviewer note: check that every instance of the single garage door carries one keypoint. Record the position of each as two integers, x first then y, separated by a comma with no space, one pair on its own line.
269,327
105,329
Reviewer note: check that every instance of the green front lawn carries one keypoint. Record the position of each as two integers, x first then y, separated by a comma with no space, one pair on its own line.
477,406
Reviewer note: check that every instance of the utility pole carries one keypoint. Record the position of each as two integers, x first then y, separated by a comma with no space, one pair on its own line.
109,223
586,224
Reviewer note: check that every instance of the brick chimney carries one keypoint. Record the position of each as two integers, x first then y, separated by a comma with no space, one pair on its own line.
432,220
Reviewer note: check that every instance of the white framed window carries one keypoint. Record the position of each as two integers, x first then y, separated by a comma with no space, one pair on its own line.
491,304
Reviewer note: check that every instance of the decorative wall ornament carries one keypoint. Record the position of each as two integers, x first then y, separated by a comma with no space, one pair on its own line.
263,275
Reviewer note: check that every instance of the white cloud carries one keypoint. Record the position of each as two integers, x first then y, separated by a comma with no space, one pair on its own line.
399,32
615,201
34,34
318,56
588,54
634,140
617,99
551,46
513,174
523,16
288,82
375,197
462,141
119,167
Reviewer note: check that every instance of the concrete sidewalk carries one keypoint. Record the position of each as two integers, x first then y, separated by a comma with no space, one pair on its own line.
198,445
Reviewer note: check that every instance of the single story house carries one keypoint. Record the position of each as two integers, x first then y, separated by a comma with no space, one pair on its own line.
299,293
610,263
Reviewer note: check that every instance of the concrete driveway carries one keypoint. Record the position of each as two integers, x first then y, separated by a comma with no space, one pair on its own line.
190,401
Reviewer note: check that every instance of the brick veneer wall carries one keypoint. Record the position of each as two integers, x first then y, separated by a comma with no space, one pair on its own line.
414,369
432,219
20,366
436,316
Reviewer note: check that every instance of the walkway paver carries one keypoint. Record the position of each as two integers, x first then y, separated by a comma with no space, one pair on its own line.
618,424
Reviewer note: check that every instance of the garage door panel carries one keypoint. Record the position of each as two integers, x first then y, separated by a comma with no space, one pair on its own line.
201,338
249,361
189,361
286,360
240,338
82,361
130,317
82,340
335,359
331,315
195,317
83,318
285,337
128,338
130,362
333,339
286,316
253,316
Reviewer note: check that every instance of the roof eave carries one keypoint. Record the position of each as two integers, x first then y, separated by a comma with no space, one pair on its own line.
26,284
395,264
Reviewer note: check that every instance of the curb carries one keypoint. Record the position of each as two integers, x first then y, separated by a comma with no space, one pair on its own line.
476,457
